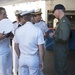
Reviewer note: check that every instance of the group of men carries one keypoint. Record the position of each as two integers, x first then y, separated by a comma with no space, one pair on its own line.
28,41
34,17
28,44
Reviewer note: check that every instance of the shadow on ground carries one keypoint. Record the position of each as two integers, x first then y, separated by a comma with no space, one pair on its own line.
49,63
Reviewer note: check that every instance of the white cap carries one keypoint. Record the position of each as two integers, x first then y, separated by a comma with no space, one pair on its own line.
18,12
26,12
37,11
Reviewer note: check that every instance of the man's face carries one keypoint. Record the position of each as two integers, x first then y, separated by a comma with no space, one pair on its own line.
17,19
32,19
3,14
56,14
22,20
37,17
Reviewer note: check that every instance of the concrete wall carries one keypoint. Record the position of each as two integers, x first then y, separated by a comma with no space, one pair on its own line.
49,5
69,4
10,2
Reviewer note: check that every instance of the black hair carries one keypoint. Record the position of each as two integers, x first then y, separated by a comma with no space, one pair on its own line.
19,16
27,17
1,8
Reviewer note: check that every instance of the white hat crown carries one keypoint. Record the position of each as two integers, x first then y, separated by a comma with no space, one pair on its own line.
26,12
18,12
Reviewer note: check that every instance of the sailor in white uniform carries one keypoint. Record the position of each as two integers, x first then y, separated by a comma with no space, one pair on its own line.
16,25
41,24
5,50
29,47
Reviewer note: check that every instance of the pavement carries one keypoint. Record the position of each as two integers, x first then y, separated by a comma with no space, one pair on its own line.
49,68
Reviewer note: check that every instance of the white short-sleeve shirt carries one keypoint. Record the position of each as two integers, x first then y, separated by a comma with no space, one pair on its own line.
29,37
42,25
15,25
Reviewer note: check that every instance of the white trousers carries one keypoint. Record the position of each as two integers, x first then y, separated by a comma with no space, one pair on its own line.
15,63
6,64
29,65
15,60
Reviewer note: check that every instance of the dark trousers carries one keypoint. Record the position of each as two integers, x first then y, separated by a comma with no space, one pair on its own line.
60,60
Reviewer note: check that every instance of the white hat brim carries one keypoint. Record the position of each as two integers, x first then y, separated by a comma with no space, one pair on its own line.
6,26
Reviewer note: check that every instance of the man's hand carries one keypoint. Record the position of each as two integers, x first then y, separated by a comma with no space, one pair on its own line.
52,34
41,66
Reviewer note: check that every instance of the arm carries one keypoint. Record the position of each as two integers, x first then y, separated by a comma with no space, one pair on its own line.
41,55
16,47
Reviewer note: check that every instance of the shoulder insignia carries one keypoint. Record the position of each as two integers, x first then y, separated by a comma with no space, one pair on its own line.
43,20
14,22
63,20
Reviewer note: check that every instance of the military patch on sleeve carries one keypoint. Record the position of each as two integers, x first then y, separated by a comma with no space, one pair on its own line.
63,20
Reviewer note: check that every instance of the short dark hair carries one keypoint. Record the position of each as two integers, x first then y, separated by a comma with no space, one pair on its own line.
1,8
19,16
59,6
27,17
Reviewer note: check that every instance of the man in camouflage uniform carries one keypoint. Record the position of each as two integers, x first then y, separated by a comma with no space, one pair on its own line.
61,37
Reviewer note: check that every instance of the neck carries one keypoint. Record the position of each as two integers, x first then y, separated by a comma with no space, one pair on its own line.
37,21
